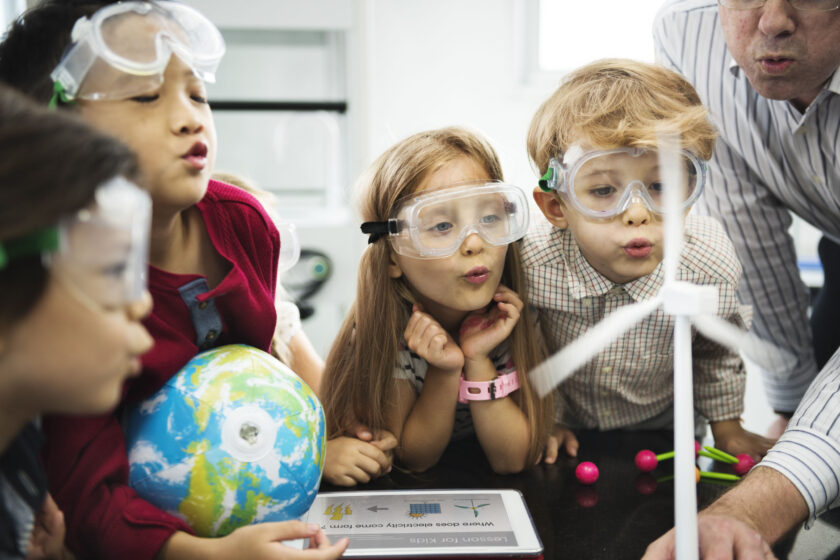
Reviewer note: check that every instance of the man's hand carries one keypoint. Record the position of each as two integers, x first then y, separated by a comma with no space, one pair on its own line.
720,537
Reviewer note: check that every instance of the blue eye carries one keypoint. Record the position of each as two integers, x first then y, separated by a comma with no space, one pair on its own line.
490,219
442,227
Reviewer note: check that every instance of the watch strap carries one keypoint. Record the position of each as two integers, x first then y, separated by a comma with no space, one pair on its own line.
502,386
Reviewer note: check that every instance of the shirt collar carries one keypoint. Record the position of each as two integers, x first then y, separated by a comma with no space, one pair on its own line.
584,281
834,83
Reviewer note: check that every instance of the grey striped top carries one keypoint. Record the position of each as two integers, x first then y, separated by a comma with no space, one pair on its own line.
770,159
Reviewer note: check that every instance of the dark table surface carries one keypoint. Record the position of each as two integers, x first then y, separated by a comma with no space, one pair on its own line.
615,518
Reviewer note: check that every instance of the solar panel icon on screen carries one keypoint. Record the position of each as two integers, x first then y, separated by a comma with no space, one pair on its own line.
421,510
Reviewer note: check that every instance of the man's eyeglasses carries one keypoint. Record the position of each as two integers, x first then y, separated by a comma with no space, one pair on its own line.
802,5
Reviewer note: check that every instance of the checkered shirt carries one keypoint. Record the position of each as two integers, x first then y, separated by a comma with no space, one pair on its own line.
632,380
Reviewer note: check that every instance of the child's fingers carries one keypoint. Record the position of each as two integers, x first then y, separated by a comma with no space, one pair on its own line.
505,294
324,550
362,432
571,444
385,440
422,328
320,541
436,344
373,460
551,448
286,530
509,310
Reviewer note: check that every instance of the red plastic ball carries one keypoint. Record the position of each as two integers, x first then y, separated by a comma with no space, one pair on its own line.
744,464
586,472
646,460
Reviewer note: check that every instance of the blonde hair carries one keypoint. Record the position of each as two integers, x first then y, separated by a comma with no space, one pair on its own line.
358,378
279,347
613,103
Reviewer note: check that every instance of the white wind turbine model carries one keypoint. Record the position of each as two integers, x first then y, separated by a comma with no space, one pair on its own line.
688,304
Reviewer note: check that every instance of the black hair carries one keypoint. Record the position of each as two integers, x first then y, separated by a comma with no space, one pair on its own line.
36,41
51,165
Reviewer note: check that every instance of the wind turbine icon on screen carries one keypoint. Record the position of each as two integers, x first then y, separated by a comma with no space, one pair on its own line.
689,304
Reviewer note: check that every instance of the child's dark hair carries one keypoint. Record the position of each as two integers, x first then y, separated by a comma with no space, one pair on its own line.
50,167
36,41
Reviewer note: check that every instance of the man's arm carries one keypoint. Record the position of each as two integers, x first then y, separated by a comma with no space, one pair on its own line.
758,511
766,501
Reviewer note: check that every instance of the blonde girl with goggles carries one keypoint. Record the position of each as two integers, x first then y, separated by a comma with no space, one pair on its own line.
438,343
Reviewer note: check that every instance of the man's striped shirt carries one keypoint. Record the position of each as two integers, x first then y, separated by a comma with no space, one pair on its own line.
770,159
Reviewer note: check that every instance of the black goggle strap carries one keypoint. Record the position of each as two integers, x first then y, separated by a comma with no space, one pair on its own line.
378,230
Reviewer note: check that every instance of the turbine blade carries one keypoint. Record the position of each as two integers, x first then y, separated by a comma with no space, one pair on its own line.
671,173
766,355
565,362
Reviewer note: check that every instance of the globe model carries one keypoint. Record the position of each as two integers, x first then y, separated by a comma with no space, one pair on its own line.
233,438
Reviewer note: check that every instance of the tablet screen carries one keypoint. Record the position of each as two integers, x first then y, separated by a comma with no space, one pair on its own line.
428,523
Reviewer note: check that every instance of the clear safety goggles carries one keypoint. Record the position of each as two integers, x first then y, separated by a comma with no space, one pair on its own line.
433,225
603,183
102,251
124,48
289,246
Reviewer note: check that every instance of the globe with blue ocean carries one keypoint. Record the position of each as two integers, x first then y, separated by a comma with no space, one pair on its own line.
234,438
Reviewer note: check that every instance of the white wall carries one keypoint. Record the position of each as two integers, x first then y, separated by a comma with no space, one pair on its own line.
439,63
421,65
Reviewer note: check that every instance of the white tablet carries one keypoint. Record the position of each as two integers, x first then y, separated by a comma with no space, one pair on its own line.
428,523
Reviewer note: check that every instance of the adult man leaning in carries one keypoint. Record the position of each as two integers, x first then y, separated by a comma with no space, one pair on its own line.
768,72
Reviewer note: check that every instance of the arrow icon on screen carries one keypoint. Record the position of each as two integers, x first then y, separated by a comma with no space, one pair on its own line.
374,509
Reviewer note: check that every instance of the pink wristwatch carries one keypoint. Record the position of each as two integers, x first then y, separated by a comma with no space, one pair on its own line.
502,386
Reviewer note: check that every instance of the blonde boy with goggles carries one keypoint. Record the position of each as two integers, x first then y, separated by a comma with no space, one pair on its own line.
603,183
123,49
434,225
602,249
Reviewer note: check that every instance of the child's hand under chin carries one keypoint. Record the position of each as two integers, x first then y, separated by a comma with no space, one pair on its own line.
482,331
429,340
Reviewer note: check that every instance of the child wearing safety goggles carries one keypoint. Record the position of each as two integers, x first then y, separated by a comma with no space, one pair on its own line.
73,240
595,140
438,343
137,71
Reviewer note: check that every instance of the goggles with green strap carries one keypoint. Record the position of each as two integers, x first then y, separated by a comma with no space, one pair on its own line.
100,252
123,49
